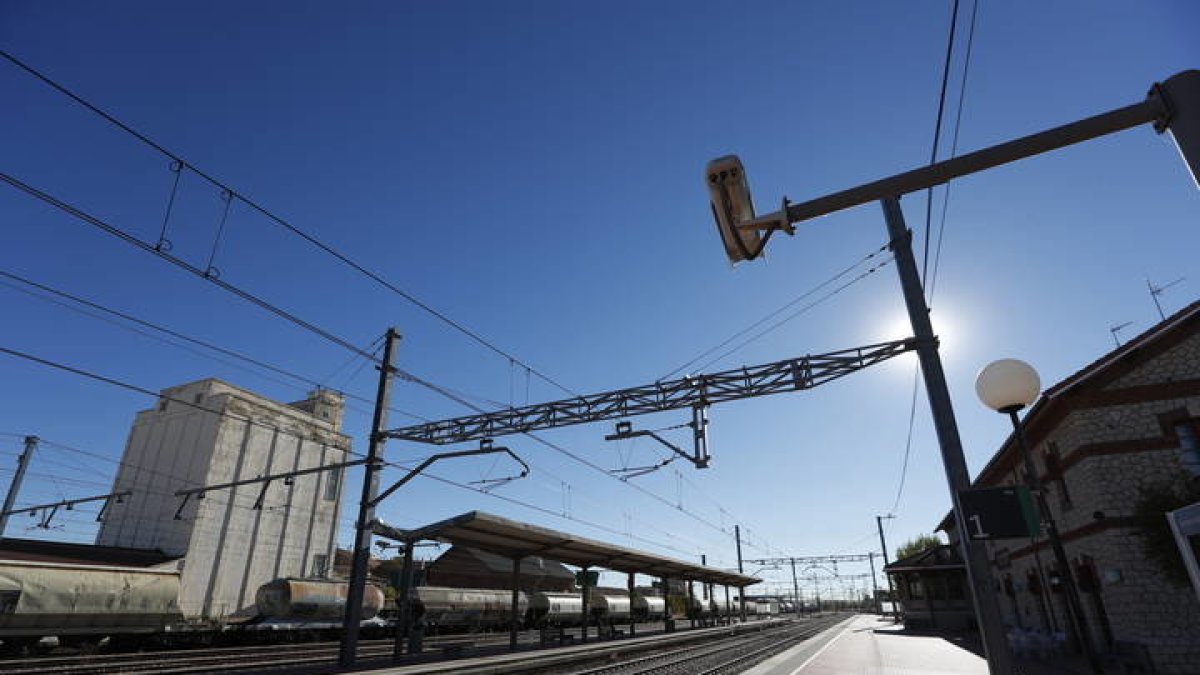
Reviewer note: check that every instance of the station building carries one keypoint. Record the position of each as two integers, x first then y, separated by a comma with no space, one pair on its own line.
1116,445
211,432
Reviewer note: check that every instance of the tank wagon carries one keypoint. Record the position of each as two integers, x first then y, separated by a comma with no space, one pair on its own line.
82,603
444,609
648,608
292,598
468,608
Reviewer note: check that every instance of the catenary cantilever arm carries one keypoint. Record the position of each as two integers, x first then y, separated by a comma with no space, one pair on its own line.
482,450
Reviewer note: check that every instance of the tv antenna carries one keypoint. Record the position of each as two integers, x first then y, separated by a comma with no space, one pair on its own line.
1117,328
1156,291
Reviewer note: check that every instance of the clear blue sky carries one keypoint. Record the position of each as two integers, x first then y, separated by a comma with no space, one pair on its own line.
534,170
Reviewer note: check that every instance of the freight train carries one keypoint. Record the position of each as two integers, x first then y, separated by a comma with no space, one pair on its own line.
132,608
135,607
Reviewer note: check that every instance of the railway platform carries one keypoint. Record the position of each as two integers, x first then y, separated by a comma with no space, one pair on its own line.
869,645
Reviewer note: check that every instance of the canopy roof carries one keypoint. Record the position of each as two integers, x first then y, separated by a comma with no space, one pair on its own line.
512,539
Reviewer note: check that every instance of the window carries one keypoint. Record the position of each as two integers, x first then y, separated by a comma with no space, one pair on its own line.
319,565
333,484
1189,446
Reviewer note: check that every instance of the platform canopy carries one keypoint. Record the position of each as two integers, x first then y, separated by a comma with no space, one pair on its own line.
513,539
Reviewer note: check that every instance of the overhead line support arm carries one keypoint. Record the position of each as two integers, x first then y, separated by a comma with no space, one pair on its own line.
731,385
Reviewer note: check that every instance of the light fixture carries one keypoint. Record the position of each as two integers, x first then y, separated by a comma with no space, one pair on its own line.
1008,385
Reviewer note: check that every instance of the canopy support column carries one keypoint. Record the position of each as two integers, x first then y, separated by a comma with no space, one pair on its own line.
632,619
514,618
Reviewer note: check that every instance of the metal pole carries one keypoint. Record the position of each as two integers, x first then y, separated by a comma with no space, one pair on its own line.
891,589
632,622
513,617
728,608
737,535
404,627
15,487
795,589
586,619
979,572
366,511
1074,606
874,583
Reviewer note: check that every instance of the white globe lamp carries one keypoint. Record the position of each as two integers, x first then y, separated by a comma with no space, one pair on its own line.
1008,385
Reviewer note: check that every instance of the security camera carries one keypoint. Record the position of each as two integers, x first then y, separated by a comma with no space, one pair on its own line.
733,209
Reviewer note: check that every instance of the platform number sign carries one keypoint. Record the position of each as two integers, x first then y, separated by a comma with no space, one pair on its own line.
999,513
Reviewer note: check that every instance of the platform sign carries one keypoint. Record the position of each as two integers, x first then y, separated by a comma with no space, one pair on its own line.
591,580
1185,525
999,513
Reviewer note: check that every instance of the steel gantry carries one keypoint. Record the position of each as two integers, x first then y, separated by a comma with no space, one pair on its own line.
696,392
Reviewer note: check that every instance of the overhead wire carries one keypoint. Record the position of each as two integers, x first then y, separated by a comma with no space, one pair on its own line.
252,298
777,311
180,263
125,316
311,239
962,93
799,312
937,134
932,280
266,305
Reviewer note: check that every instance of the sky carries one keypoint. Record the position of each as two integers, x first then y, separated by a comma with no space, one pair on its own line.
534,172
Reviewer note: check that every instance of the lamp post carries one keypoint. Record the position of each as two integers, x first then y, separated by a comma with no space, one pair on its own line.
1007,386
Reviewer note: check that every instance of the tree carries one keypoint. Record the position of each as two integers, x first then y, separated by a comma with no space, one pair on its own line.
923,542
1158,543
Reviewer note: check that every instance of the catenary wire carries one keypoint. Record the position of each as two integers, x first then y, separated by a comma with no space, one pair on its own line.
125,236
937,134
121,234
962,93
193,340
311,239
802,310
937,256
776,312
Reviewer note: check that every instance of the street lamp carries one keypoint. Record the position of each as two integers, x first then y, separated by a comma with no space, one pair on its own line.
1007,386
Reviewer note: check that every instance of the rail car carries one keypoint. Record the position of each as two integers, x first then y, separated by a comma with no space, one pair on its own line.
443,609
135,607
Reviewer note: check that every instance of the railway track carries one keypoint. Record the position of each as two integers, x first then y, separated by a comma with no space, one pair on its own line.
322,657
732,654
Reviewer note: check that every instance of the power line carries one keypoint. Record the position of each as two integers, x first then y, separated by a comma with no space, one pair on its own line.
296,320
937,256
311,239
937,133
776,312
912,419
796,314
180,263
962,93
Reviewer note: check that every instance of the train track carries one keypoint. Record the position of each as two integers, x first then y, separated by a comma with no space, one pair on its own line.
322,657
732,654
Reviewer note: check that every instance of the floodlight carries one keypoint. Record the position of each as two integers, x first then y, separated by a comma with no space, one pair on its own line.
733,209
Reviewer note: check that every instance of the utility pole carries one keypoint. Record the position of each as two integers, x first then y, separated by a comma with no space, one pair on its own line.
22,464
874,583
737,535
979,570
883,545
366,505
795,587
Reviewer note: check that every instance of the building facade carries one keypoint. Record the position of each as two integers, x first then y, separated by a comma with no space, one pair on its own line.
1113,444
207,433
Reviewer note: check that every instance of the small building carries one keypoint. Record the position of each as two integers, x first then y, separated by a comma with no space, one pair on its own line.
210,432
463,567
1115,444
932,589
